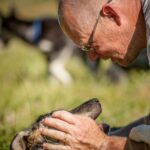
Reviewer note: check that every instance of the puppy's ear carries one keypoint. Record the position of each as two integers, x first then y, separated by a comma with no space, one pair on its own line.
91,108
19,143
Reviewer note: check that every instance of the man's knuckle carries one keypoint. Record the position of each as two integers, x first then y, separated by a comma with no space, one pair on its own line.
56,124
80,137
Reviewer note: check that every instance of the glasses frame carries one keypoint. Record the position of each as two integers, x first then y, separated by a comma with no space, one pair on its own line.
88,46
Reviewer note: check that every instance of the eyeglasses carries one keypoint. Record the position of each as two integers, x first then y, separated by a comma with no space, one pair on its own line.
88,46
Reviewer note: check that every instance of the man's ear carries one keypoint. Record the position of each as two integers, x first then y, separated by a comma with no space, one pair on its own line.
110,12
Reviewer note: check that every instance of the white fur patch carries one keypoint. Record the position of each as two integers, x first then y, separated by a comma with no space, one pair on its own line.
60,73
45,45
57,66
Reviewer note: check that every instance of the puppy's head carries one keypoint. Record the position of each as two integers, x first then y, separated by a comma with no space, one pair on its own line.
31,139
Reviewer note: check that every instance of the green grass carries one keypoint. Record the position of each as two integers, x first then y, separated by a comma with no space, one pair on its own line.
26,92
29,9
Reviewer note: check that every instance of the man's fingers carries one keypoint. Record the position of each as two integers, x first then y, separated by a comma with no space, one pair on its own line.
57,124
47,146
65,116
58,135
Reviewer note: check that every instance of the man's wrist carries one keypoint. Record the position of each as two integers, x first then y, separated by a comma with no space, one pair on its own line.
104,142
112,143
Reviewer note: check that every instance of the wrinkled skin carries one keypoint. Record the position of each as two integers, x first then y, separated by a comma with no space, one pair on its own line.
77,132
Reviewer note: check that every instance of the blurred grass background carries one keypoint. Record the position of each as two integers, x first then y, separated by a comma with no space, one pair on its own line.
30,8
26,92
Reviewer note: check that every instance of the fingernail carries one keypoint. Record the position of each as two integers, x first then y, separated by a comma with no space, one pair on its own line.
40,129
43,121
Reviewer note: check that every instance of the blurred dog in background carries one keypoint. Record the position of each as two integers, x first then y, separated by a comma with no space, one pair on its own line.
47,36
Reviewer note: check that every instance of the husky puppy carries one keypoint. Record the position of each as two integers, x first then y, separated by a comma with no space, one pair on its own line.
31,139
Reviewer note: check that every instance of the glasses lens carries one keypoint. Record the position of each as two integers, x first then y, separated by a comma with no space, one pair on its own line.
87,48
84,48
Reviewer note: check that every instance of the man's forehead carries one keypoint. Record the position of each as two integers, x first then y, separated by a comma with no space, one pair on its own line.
77,18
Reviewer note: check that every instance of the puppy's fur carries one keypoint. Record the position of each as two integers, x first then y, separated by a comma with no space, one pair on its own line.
31,139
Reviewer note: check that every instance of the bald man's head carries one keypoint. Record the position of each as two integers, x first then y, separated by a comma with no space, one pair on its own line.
78,16
119,33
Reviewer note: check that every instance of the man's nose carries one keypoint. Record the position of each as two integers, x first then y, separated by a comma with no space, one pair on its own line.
92,56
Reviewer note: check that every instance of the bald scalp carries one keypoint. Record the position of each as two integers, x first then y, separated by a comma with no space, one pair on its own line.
78,16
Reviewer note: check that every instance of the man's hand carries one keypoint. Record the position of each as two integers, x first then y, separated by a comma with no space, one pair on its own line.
73,131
